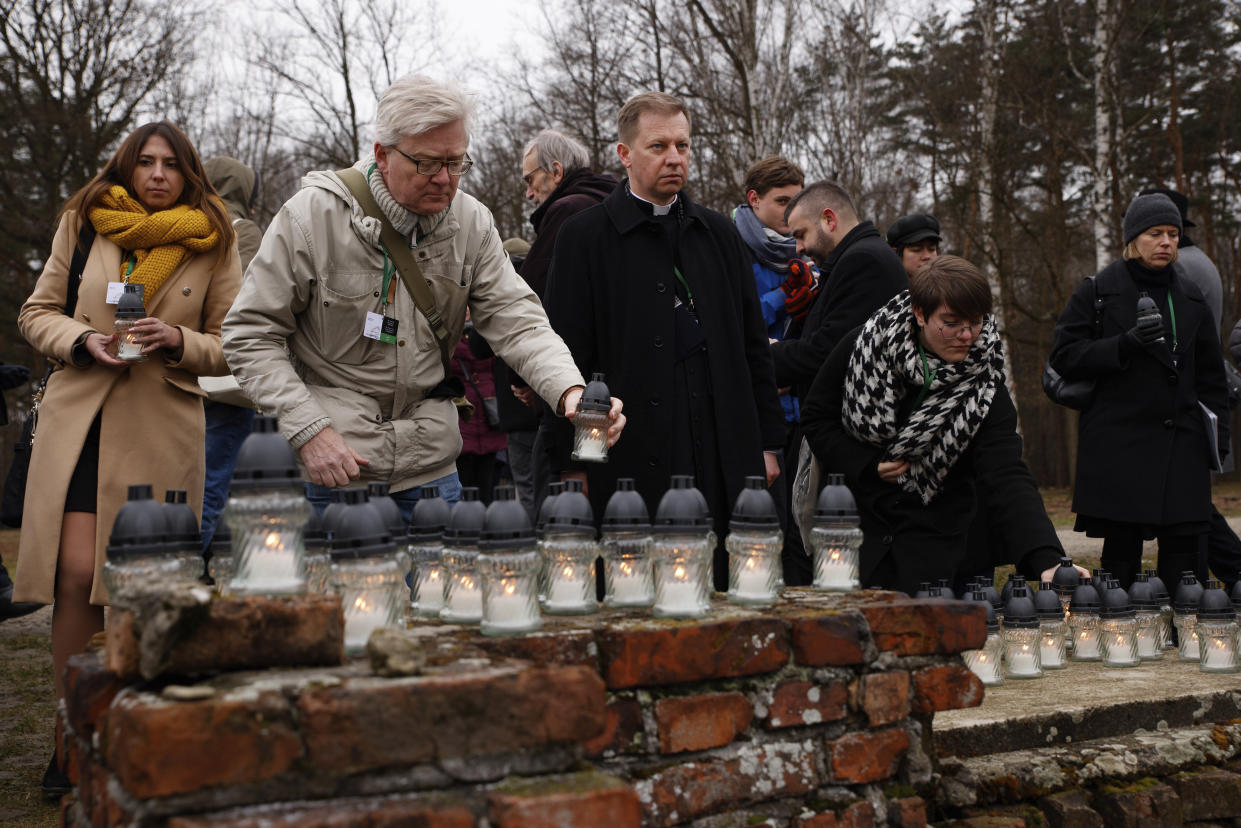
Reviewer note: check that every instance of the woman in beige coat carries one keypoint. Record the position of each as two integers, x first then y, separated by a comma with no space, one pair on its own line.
106,424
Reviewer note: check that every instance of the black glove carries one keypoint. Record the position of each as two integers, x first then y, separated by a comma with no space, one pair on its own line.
12,376
1147,331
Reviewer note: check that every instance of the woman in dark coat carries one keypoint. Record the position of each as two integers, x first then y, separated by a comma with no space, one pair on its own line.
1143,456
912,408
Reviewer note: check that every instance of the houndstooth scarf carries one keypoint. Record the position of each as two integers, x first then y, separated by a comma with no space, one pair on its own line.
885,363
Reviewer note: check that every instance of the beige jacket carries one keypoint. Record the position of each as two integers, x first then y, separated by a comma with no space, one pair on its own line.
319,271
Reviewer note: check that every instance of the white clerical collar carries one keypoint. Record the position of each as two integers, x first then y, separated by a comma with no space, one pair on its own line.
656,209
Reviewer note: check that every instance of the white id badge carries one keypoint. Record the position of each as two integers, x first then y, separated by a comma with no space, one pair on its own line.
115,289
374,325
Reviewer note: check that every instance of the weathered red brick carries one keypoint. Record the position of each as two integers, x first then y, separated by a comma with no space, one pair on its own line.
89,690
701,722
623,731
1210,794
858,815
826,819
1152,807
909,812
370,724
829,639
685,792
240,634
945,687
585,799
159,748
372,812
567,647
105,811
799,703
658,651
926,627
1069,809
884,697
857,758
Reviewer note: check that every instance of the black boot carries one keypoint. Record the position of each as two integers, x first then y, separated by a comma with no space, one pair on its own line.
55,783
7,608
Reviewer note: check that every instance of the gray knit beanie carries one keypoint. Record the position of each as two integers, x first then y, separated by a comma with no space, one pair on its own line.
1147,211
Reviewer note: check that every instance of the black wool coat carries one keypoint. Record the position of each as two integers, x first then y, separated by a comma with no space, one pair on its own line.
859,277
905,542
1142,453
610,296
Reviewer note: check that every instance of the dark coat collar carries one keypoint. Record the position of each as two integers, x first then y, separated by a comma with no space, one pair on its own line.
864,229
579,181
628,213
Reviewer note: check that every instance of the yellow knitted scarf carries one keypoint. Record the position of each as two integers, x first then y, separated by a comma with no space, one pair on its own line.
160,241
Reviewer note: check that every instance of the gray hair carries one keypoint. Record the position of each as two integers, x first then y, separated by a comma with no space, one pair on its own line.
552,145
416,104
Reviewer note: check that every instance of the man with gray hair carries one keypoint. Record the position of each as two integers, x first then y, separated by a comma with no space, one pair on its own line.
325,335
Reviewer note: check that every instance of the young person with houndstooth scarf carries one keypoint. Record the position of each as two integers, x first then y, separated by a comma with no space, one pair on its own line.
912,408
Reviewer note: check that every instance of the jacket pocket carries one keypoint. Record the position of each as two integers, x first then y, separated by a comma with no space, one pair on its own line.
429,439
339,314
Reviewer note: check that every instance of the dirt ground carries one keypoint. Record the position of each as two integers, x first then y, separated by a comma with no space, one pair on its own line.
27,709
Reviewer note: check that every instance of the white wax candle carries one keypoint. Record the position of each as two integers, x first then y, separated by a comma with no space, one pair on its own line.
679,595
267,565
1119,649
430,589
506,607
466,600
1148,642
1023,661
1218,655
1051,651
753,578
364,614
593,445
982,664
567,586
627,586
1086,644
834,571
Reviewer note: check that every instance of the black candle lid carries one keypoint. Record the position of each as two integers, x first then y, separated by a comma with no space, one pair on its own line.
1142,595
1235,594
1064,579
923,590
1115,601
1047,601
554,491
130,305
595,397
265,460
183,530
681,509
1158,586
1085,597
388,510
980,597
360,531
465,523
140,527
987,584
431,515
1019,612
506,524
1214,604
571,511
754,508
1188,591
314,534
836,501
626,509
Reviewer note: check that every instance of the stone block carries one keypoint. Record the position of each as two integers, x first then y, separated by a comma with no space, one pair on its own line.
701,722
1140,806
623,730
858,758
907,812
801,703
1209,794
752,773
372,812
159,748
926,627
827,819
89,691
369,724
566,648
884,697
228,634
831,639
1069,809
655,652
588,798
859,814
945,687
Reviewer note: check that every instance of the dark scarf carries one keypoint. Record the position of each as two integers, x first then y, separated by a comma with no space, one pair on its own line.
772,250
886,361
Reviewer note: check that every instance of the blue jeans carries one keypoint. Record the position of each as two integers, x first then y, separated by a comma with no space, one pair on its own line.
450,490
227,428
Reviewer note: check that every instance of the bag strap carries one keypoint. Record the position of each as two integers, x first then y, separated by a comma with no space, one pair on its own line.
397,248
470,378
86,238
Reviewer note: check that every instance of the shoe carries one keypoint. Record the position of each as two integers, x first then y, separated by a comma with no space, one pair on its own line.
7,608
55,783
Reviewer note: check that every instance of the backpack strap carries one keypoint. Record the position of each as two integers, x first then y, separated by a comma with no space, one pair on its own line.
397,248
86,238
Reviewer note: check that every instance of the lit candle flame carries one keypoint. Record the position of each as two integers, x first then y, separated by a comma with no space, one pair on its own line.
625,568
433,575
361,604
750,563
467,582
567,572
509,587
835,556
680,574
272,540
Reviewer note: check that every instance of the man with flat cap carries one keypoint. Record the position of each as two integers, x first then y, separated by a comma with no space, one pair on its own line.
915,239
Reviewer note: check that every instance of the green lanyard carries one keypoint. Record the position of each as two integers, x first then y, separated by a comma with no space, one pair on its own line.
389,270
1172,315
689,294
133,261
928,377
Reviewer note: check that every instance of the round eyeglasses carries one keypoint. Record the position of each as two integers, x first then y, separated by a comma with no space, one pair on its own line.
432,166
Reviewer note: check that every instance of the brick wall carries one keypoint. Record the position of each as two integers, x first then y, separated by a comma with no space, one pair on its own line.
813,713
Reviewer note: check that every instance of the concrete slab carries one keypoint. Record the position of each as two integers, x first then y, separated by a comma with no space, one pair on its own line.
1088,701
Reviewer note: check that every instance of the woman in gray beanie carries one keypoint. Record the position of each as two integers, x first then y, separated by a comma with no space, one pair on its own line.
1143,453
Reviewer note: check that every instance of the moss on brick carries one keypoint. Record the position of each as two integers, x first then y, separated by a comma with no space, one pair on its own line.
1137,786
899,791
576,783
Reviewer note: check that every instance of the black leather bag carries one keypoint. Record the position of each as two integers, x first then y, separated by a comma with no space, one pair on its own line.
13,498
491,408
1075,394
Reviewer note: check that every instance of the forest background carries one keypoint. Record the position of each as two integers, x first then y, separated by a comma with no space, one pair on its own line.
1025,126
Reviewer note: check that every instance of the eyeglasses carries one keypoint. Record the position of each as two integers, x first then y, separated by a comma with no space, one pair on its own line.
954,330
432,166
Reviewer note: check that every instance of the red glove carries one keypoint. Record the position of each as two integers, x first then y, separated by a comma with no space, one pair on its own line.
797,289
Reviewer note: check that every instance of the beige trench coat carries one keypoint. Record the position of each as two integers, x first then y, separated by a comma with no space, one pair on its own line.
151,428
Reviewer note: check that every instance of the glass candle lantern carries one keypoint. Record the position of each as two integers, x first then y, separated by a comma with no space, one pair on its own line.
1185,616
836,540
569,551
266,512
1022,646
684,546
364,571
129,309
1146,614
754,542
1053,629
221,565
396,525
139,557
1064,581
509,565
1084,622
1217,630
463,595
317,561
183,535
426,548
988,662
626,543
590,423
1165,607
1118,629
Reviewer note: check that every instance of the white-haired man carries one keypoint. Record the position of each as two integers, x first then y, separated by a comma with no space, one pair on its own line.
325,335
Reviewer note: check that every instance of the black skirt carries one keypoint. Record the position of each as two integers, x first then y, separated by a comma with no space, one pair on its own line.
84,485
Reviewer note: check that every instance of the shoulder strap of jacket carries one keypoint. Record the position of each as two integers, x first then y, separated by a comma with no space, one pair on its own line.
397,248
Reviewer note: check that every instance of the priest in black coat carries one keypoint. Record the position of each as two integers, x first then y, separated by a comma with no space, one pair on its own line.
656,293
